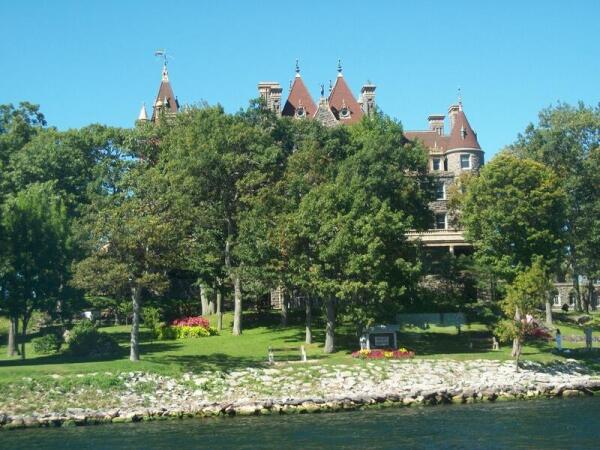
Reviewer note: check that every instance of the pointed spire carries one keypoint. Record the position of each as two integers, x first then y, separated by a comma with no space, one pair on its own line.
143,116
459,99
297,68
165,99
342,102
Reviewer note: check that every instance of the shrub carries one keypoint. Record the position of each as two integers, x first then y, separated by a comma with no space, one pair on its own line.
167,332
151,316
47,344
197,321
86,340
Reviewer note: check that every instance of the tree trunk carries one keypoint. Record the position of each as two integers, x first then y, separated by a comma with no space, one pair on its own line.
219,310
548,313
237,306
330,327
13,348
284,307
24,322
519,348
308,310
136,299
516,341
577,292
589,296
203,301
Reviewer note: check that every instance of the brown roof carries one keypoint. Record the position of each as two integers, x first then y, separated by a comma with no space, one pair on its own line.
165,91
341,97
430,138
462,135
299,96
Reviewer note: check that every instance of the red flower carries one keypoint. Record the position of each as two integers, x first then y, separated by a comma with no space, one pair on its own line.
198,321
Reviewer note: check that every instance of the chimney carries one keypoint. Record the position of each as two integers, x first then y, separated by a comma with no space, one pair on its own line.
436,123
367,98
452,112
270,92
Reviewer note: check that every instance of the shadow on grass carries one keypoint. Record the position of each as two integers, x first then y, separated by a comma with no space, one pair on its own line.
66,358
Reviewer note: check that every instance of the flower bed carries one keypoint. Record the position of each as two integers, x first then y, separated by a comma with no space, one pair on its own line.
197,321
187,327
401,353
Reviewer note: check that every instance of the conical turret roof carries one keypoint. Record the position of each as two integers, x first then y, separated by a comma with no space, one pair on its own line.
299,100
462,135
342,102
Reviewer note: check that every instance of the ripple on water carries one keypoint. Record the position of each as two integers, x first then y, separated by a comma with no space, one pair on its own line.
548,424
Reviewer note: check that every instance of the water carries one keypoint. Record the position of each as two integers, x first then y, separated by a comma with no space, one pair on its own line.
547,424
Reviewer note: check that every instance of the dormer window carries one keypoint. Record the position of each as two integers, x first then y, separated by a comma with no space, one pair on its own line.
436,164
344,113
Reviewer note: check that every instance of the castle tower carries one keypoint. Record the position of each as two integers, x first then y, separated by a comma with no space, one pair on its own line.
463,151
270,93
367,98
166,102
343,104
299,103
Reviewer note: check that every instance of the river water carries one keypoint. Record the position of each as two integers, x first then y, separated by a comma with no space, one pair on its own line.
536,424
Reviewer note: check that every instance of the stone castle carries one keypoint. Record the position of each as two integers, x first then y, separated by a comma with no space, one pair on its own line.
451,153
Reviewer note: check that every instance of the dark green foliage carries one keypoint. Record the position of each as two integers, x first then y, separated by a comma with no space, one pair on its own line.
47,344
86,341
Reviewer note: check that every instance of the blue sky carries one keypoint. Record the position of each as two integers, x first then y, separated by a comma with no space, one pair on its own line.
92,61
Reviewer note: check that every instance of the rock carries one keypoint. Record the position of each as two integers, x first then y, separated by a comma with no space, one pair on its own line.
572,393
245,410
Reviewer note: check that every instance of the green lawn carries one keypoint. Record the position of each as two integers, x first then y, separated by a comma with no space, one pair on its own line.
227,352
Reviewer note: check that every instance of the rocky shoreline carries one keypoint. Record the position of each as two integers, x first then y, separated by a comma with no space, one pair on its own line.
293,389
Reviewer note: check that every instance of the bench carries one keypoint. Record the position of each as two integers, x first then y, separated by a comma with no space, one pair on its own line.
281,350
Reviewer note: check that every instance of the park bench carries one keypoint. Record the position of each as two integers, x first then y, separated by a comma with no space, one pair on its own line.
284,353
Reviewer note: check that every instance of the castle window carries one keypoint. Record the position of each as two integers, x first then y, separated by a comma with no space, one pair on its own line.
436,163
300,112
557,301
465,161
440,221
440,191
345,113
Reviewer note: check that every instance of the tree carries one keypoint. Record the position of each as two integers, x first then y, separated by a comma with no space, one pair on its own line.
36,250
514,212
563,140
133,238
352,226
530,289
213,162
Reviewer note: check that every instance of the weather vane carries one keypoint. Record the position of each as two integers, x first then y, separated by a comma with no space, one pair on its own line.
162,53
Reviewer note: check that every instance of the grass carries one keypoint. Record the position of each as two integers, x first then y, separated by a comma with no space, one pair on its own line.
226,352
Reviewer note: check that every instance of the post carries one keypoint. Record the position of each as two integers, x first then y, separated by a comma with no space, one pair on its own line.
303,353
270,356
